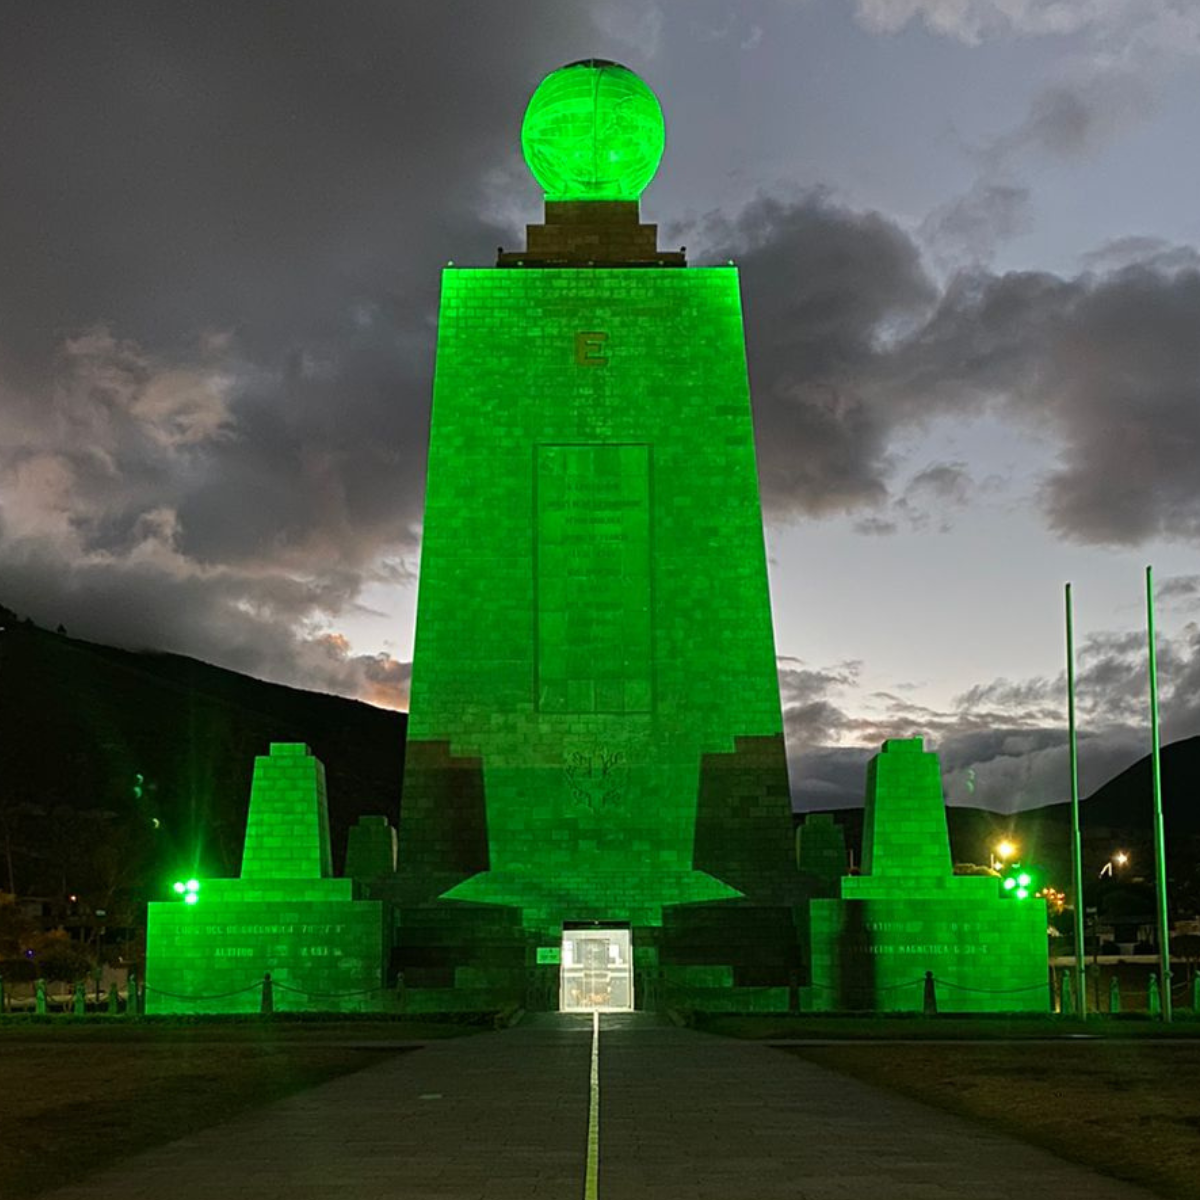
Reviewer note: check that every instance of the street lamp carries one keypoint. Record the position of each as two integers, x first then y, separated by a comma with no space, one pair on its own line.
1119,859
1002,852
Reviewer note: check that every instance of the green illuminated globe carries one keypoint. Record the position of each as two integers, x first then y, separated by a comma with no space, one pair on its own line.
593,131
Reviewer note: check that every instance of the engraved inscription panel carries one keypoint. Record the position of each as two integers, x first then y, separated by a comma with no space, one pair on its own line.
593,584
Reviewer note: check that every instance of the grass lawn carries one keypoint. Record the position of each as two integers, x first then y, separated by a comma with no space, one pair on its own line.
80,1096
913,1027
1129,1109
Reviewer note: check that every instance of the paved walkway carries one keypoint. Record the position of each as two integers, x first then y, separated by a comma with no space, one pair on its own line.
683,1116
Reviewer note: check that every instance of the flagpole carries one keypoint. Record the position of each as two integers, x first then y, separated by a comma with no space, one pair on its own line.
1076,840
1160,845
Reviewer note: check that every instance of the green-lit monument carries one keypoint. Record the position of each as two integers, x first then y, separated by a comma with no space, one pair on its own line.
595,734
907,913
596,811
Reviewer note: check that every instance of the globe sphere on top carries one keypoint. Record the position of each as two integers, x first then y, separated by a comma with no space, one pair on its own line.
593,131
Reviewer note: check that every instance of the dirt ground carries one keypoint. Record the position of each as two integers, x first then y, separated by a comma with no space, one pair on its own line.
75,1098
1131,1110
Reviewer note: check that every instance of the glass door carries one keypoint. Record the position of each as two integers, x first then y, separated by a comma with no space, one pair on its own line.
597,971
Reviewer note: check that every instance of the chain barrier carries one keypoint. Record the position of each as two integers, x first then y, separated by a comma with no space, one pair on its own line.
217,996
287,987
892,987
961,987
833,987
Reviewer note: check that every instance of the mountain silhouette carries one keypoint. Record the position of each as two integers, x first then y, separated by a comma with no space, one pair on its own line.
145,760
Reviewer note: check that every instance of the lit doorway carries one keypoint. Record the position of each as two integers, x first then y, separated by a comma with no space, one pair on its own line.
597,971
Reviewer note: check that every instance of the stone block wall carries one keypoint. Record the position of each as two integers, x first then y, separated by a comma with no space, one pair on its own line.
594,663
287,832
324,950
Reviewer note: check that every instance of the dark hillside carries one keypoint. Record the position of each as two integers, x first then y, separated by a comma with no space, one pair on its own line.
80,723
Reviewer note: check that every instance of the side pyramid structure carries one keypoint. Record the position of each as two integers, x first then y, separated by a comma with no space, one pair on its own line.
908,914
323,944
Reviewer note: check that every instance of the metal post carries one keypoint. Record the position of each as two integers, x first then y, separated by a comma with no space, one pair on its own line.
1076,838
1114,995
929,1000
1160,845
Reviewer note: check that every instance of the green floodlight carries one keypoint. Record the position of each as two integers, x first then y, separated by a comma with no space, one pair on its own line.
189,890
179,887
593,131
1018,881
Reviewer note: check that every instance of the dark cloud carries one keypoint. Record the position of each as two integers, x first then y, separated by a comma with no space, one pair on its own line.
810,716
269,627
824,286
1003,744
221,229
1138,250
221,232
1178,587
1106,363
849,341
971,227
1150,31
830,777
933,494
1123,377
1075,118
247,166
1025,694
872,526
1102,360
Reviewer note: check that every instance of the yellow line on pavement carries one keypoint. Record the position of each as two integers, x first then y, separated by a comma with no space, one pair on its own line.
591,1179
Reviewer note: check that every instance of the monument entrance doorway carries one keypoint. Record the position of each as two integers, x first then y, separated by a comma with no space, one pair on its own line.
597,971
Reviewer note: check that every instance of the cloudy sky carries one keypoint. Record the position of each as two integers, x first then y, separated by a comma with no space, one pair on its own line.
968,238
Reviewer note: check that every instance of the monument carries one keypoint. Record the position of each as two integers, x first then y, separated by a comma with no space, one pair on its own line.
323,945
907,913
596,811
595,737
